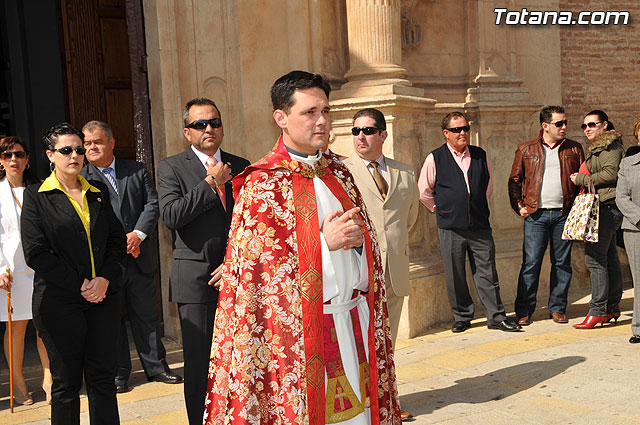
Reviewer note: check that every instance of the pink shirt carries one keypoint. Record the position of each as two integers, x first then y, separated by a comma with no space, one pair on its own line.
427,179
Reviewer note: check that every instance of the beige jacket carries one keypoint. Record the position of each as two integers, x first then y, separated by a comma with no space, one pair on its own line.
394,218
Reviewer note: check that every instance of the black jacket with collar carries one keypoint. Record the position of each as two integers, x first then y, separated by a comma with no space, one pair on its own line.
198,222
55,246
135,205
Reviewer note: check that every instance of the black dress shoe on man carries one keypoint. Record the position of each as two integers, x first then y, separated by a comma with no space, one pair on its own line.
505,326
460,326
166,378
634,339
121,385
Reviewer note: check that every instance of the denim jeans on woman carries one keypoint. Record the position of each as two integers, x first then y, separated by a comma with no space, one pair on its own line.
603,263
542,228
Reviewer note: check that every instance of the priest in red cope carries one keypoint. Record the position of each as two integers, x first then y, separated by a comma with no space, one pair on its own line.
301,333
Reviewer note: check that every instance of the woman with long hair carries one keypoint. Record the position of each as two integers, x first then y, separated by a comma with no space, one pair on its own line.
601,169
15,276
76,245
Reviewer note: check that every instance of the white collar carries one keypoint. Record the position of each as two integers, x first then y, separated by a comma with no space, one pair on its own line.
112,166
203,156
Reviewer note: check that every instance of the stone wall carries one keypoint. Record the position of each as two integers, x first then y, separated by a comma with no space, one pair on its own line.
600,67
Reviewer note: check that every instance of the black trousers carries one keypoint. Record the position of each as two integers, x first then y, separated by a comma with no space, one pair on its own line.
196,321
81,341
139,295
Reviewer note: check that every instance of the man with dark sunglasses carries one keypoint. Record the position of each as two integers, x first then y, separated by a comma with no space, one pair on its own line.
390,193
541,191
456,183
196,202
134,200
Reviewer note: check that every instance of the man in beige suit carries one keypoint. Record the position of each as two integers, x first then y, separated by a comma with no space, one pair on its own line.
390,194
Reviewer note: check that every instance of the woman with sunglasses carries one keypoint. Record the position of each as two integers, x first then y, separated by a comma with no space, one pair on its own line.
75,244
15,275
601,169
628,201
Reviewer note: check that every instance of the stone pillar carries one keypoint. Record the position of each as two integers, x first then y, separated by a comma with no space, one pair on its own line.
376,79
375,46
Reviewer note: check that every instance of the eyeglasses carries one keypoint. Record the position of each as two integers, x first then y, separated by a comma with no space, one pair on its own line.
559,124
202,124
368,131
18,154
66,150
591,124
459,129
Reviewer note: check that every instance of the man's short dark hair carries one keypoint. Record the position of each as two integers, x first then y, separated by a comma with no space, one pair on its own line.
451,115
50,137
378,117
548,111
198,101
283,89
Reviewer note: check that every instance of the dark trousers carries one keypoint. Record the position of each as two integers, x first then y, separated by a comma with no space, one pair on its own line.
603,263
196,321
139,294
81,341
478,244
544,227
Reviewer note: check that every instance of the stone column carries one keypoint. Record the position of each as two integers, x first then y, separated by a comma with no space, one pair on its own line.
375,47
376,79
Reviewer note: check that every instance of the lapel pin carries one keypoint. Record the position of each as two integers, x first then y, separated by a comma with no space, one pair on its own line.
99,199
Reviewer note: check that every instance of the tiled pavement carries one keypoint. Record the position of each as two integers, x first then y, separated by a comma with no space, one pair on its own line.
548,374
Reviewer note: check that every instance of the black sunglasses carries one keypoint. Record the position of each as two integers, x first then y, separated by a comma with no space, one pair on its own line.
18,154
202,124
66,150
459,129
559,124
368,131
591,124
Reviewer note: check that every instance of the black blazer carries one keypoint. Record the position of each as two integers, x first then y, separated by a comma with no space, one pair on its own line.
135,205
55,246
198,222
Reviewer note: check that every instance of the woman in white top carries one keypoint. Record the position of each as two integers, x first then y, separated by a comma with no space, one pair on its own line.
15,275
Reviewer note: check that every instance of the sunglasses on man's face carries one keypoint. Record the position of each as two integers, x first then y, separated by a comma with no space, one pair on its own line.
559,124
18,154
66,150
465,128
591,124
368,131
202,124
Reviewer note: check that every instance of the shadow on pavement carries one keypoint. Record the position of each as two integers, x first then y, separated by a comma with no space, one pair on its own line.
496,385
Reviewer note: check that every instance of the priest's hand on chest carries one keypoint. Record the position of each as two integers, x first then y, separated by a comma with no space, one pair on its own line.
343,230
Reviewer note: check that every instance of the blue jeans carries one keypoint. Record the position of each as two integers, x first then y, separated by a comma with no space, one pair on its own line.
542,228
603,263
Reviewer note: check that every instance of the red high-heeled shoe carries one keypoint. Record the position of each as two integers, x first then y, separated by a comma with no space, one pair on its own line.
613,316
590,322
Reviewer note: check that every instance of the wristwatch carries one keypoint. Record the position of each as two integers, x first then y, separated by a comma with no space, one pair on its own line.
214,181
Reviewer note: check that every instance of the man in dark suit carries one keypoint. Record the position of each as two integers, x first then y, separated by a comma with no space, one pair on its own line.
196,203
135,202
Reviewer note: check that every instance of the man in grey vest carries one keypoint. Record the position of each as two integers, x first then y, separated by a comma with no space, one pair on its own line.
455,182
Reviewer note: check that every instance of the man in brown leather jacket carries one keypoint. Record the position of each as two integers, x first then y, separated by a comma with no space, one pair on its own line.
540,191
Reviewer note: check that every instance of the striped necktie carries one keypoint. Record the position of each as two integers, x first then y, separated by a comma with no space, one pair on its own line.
108,173
211,161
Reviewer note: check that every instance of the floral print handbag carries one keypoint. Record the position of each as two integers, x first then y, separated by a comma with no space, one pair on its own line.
582,221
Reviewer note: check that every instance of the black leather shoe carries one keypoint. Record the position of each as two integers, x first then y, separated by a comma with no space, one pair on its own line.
505,326
634,339
166,378
121,385
460,326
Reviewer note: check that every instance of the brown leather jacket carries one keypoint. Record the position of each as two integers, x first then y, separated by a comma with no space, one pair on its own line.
525,181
